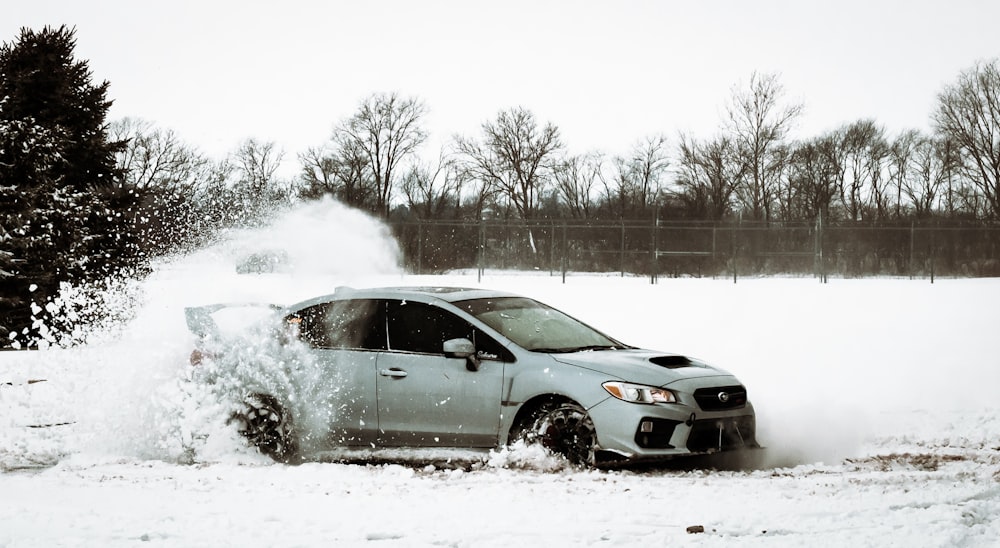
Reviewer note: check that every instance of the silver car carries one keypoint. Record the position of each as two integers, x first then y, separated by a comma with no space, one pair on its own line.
438,367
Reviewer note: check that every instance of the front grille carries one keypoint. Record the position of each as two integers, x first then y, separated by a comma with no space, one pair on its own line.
721,398
723,434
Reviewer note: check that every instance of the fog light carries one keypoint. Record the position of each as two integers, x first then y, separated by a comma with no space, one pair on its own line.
655,433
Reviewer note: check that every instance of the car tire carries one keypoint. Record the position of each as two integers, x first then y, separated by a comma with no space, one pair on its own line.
564,428
267,425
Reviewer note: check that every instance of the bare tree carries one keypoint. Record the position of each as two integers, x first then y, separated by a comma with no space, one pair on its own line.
257,161
172,184
342,172
759,124
155,158
707,175
876,163
318,173
950,158
217,194
901,153
649,162
637,180
475,194
968,113
812,179
860,158
385,130
931,166
575,177
618,191
430,189
257,189
513,157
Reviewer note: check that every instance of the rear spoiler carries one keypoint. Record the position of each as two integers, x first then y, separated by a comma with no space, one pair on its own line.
199,318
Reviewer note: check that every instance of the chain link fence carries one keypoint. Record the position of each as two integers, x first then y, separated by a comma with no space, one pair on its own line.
703,249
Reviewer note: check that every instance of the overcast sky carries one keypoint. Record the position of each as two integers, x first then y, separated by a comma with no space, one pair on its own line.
606,73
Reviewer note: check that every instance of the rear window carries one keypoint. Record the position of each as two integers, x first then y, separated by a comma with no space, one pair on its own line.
355,323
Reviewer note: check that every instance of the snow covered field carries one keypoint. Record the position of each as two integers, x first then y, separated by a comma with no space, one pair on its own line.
877,400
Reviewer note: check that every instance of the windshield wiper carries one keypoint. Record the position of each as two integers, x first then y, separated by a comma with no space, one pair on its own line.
571,349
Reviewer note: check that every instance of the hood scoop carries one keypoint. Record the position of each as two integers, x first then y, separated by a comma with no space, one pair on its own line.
674,361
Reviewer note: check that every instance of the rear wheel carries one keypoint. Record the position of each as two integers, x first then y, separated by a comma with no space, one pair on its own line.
267,426
564,428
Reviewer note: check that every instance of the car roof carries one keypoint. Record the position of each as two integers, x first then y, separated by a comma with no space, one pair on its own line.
417,293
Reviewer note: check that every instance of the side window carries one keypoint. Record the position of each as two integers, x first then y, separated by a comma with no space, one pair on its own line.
423,328
420,327
343,324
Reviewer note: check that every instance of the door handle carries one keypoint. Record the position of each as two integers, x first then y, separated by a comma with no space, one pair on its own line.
395,373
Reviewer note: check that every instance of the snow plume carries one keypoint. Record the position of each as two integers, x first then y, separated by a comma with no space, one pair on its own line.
322,239
82,314
116,356
186,416
256,361
521,456
301,252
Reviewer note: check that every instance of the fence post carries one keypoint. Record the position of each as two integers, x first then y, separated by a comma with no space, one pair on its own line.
821,262
564,250
715,228
420,246
552,245
912,239
482,250
715,256
933,249
652,251
622,256
732,243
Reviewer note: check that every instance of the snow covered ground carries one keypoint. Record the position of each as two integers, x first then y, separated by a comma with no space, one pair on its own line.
877,400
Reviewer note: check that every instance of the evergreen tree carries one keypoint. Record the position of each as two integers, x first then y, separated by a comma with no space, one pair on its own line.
60,187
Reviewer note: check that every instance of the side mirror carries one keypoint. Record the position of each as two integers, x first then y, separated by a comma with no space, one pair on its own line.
462,348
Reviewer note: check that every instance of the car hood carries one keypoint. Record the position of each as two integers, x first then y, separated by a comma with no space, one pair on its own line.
641,366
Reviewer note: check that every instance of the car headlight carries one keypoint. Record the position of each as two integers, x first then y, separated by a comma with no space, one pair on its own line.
637,393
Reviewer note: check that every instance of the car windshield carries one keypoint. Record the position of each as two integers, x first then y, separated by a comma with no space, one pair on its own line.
537,327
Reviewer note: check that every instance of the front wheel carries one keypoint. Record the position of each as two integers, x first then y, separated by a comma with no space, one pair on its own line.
564,428
267,426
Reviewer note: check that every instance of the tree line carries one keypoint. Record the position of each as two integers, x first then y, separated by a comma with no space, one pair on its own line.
85,199
519,168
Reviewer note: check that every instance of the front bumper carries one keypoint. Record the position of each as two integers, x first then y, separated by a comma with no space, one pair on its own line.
659,431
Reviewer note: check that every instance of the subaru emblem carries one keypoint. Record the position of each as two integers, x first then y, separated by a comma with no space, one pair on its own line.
723,397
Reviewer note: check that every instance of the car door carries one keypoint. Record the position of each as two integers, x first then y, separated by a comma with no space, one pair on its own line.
426,398
345,337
